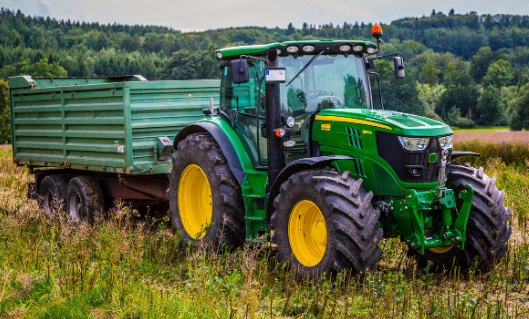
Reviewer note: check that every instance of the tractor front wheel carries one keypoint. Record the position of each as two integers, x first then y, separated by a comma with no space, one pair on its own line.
325,223
487,228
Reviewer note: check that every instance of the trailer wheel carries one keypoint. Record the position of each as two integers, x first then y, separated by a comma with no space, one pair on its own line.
84,198
487,228
52,193
324,222
205,200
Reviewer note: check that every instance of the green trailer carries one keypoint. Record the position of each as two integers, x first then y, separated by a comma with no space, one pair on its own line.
117,130
295,152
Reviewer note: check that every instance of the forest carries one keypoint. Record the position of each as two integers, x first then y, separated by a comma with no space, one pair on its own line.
463,69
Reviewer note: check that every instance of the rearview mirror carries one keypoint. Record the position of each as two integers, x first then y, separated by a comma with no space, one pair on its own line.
239,71
399,67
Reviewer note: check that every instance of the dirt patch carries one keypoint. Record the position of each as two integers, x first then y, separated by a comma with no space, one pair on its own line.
497,137
4,146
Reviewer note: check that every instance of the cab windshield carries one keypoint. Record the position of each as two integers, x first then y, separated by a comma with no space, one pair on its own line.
330,81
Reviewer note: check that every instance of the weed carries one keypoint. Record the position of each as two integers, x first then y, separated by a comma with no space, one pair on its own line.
122,267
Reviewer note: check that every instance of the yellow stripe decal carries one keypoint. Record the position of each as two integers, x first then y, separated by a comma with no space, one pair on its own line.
349,120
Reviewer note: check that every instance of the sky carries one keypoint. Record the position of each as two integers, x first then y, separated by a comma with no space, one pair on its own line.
199,15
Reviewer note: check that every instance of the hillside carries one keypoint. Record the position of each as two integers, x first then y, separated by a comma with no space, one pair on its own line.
466,68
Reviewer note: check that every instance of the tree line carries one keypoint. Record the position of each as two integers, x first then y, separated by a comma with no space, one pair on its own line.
464,69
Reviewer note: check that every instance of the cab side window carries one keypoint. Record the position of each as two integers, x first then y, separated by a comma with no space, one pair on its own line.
240,102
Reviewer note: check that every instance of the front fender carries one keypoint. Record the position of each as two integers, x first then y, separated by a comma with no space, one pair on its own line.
294,167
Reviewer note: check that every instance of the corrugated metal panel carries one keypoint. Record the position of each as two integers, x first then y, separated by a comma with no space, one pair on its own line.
88,118
164,110
37,126
68,125
93,126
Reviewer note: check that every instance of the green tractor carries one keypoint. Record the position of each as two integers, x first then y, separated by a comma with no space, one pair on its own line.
297,153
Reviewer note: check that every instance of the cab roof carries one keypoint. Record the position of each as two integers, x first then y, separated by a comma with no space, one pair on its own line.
332,46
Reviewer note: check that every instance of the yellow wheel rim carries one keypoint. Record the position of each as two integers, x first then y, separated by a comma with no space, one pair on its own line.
307,233
442,249
194,201
439,250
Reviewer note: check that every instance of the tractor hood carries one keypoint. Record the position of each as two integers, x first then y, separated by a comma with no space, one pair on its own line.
389,121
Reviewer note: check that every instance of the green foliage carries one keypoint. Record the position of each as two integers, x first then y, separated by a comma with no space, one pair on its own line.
480,62
429,73
5,114
499,74
518,110
398,94
490,106
187,65
43,69
453,118
461,93
454,44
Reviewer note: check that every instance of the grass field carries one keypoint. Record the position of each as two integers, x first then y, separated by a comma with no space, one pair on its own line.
121,267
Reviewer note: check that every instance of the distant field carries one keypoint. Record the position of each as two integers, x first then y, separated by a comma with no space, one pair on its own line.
496,137
483,129
4,146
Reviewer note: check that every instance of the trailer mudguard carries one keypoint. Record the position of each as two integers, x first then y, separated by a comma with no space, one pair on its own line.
225,145
294,167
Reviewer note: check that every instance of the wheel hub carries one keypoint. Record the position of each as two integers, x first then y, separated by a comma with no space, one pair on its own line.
307,233
195,202
75,207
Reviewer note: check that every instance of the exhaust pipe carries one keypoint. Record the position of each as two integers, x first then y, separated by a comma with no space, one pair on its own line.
273,121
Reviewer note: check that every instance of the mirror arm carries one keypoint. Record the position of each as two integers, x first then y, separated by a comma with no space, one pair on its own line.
383,56
252,57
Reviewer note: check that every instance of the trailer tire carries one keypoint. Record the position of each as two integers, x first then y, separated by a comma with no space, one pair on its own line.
205,199
52,194
84,198
487,228
322,198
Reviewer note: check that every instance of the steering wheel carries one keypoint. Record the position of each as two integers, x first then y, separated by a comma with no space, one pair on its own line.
309,95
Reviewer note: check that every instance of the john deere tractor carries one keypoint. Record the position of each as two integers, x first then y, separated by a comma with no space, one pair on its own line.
297,153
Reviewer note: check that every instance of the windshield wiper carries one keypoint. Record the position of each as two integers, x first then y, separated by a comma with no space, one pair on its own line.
306,65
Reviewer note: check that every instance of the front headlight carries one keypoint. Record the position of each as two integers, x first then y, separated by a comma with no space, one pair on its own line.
446,142
414,143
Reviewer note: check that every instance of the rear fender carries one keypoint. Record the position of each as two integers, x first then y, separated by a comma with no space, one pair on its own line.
222,139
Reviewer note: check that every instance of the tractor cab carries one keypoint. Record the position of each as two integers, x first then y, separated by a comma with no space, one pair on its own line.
319,75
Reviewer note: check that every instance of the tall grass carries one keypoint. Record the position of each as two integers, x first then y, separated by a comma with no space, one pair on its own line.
119,267
509,153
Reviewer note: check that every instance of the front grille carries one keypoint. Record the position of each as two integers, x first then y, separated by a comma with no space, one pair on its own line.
405,162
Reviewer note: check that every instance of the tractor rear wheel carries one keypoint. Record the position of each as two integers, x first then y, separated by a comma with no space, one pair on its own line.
325,223
487,228
205,199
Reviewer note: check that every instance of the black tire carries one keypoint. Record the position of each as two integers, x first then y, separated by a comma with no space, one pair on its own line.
227,224
84,198
352,232
52,194
487,228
